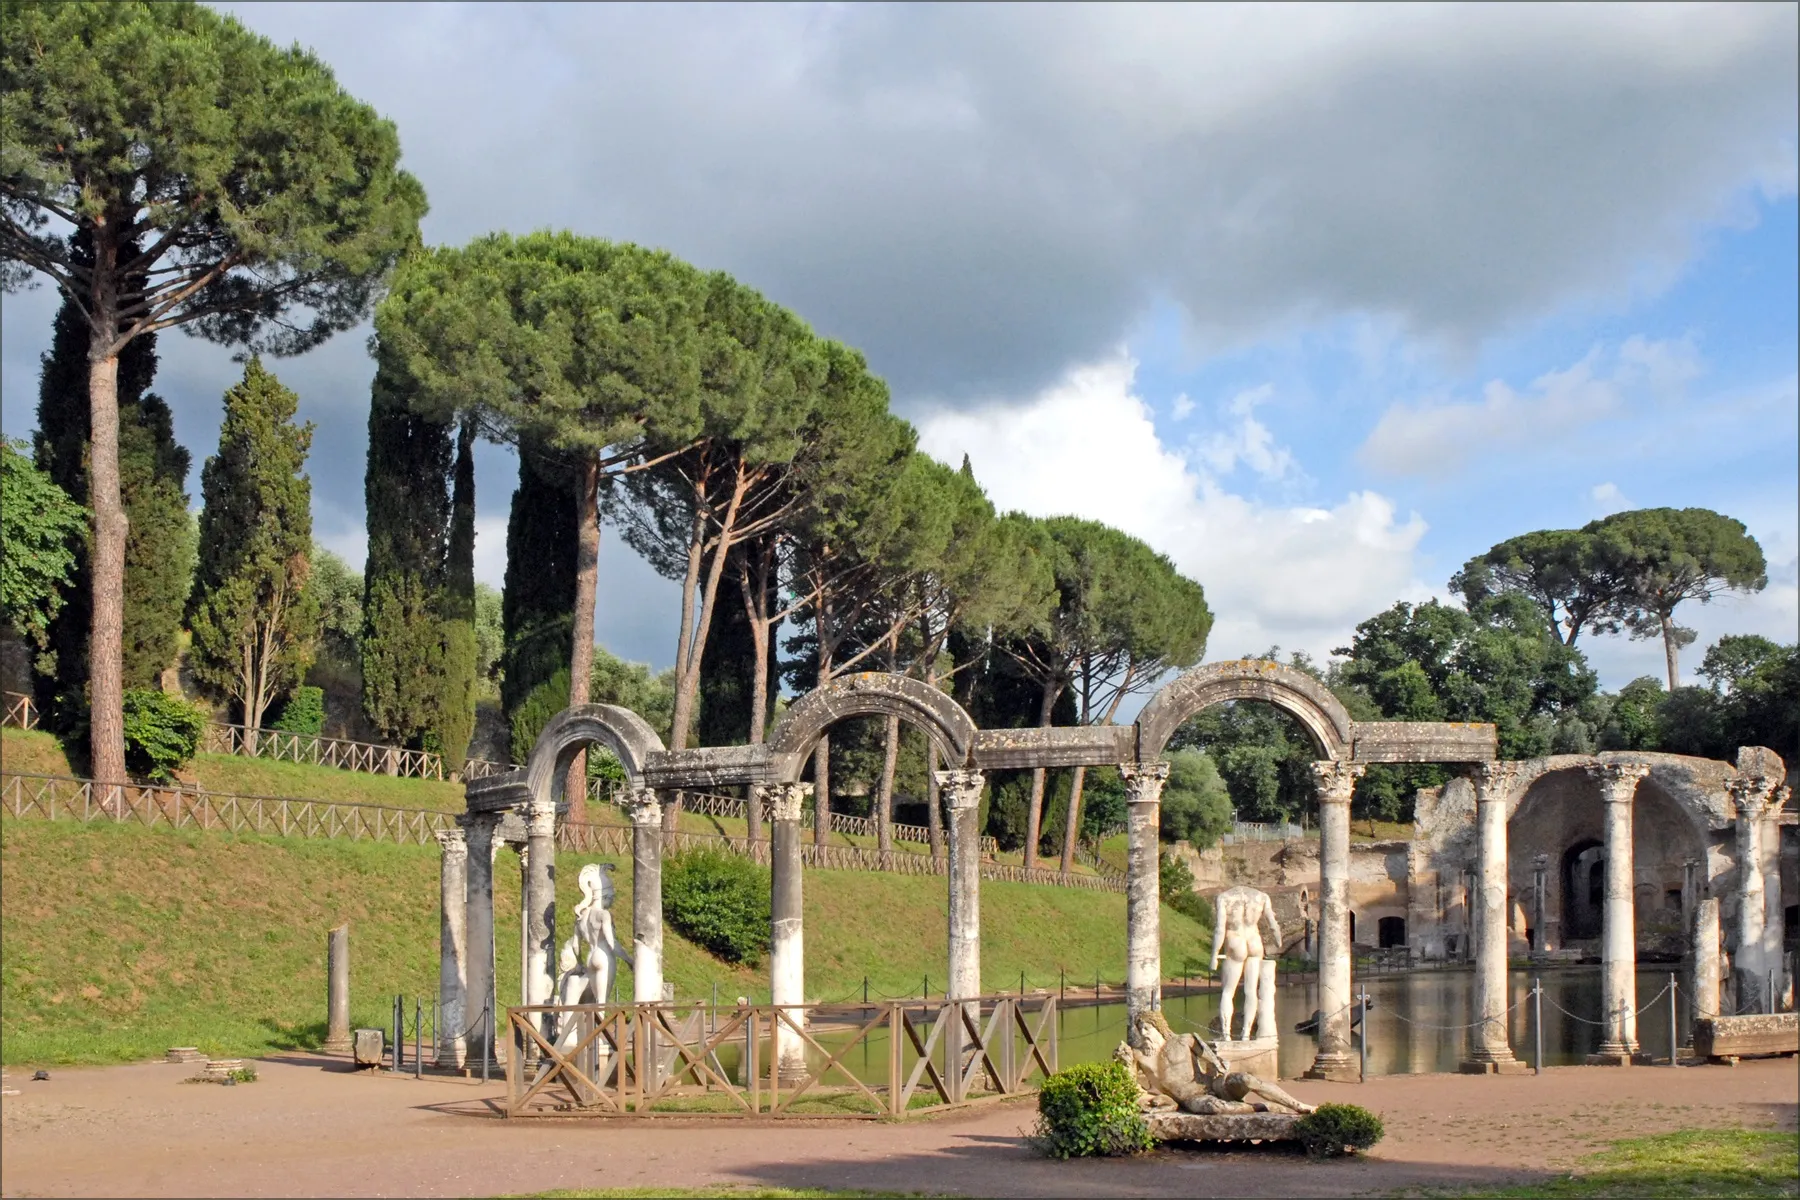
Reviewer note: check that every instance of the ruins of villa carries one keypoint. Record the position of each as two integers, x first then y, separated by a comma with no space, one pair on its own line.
1620,856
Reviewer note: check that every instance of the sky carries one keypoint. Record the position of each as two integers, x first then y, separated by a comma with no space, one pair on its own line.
1318,301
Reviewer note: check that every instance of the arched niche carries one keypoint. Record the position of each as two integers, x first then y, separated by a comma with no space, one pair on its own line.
620,730
1294,692
871,693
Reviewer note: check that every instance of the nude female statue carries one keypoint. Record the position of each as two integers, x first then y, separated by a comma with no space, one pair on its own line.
1238,915
590,981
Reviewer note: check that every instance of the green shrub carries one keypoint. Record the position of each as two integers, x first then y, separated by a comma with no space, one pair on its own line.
161,733
1336,1129
1177,885
720,902
1091,1109
304,712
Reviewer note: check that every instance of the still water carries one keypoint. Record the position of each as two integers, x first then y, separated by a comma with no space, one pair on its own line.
1408,1019
1415,1023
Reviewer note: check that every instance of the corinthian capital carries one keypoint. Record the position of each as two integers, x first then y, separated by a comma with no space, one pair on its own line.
645,807
454,843
540,818
1752,795
1494,781
960,788
1618,781
787,799
1334,781
1144,781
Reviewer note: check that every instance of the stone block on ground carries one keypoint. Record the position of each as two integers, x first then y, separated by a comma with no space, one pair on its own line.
1226,1127
184,1054
367,1047
1735,1037
223,1066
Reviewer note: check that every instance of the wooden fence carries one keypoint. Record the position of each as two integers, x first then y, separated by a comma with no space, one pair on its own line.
647,1060
54,797
367,757
20,712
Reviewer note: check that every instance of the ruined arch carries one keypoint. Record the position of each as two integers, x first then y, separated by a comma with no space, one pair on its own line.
1294,692
620,730
866,694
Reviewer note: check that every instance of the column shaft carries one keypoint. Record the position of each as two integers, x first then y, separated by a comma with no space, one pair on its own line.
1489,1049
1335,781
453,941
787,933
1143,889
1750,797
646,897
478,925
539,900
337,991
1707,966
1618,943
961,792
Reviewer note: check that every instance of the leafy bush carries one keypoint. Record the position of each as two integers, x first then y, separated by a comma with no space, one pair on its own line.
1336,1129
1091,1109
1177,884
161,733
720,902
304,712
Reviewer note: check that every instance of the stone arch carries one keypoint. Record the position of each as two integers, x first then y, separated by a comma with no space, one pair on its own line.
620,730
1294,692
866,694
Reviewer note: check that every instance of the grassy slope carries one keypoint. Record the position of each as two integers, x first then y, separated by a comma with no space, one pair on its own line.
37,753
122,941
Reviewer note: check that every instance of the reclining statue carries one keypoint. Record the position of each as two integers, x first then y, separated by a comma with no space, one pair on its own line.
1184,1072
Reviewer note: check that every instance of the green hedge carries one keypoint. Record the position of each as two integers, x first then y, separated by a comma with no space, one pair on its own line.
304,712
718,901
1091,1109
1335,1129
162,733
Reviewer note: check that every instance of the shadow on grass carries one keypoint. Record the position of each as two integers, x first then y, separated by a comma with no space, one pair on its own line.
303,1035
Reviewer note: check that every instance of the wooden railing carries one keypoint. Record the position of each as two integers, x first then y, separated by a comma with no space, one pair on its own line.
776,1061
319,751
20,711
711,805
54,797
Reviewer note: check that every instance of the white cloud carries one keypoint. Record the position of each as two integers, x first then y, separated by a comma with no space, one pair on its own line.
1249,442
1436,436
1608,498
1300,577
1182,407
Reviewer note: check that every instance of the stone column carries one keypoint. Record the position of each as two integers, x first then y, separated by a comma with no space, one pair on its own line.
337,991
478,926
1540,904
787,935
453,941
1489,1050
1334,782
961,793
1751,797
538,897
1618,942
1704,941
646,896
1143,888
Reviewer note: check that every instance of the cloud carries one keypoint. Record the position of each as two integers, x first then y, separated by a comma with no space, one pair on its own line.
1608,498
1249,443
1435,437
1181,408
1298,576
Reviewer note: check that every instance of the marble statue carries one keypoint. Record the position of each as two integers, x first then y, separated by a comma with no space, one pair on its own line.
1183,1072
589,979
1238,916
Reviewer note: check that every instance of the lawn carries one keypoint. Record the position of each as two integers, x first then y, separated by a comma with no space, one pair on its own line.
1738,1163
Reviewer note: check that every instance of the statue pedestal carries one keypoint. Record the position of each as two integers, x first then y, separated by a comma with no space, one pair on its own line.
1256,1057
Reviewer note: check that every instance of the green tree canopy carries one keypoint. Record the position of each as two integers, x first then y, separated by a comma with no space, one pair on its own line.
211,180
1559,570
254,617
1664,557
38,522
1196,806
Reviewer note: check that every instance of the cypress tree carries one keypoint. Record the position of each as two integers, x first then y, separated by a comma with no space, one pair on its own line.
729,668
538,604
159,546
456,716
406,494
253,618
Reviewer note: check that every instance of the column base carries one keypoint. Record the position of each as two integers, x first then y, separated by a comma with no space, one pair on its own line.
1492,1066
336,1046
1335,1068
1617,1055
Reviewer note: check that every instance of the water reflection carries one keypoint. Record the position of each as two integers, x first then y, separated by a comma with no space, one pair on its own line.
1416,1020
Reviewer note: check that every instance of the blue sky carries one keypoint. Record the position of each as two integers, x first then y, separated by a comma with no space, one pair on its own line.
1318,300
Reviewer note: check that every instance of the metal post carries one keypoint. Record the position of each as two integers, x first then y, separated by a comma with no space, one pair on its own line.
487,1043
865,989
1771,991
1062,983
399,1032
1537,1021
1021,984
928,987
418,1039
1362,1041
1674,1039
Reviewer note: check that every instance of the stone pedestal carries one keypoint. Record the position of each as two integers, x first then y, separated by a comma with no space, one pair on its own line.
1227,1127
1143,890
1334,781
1259,1056
337,991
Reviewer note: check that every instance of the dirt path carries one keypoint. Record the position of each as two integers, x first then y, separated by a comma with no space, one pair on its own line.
308,1127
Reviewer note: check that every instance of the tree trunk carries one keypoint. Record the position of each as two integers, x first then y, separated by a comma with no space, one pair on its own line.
581,646
755,607
697,626
1074,821
884,807
672,805
1670,650
106,634
1034,814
